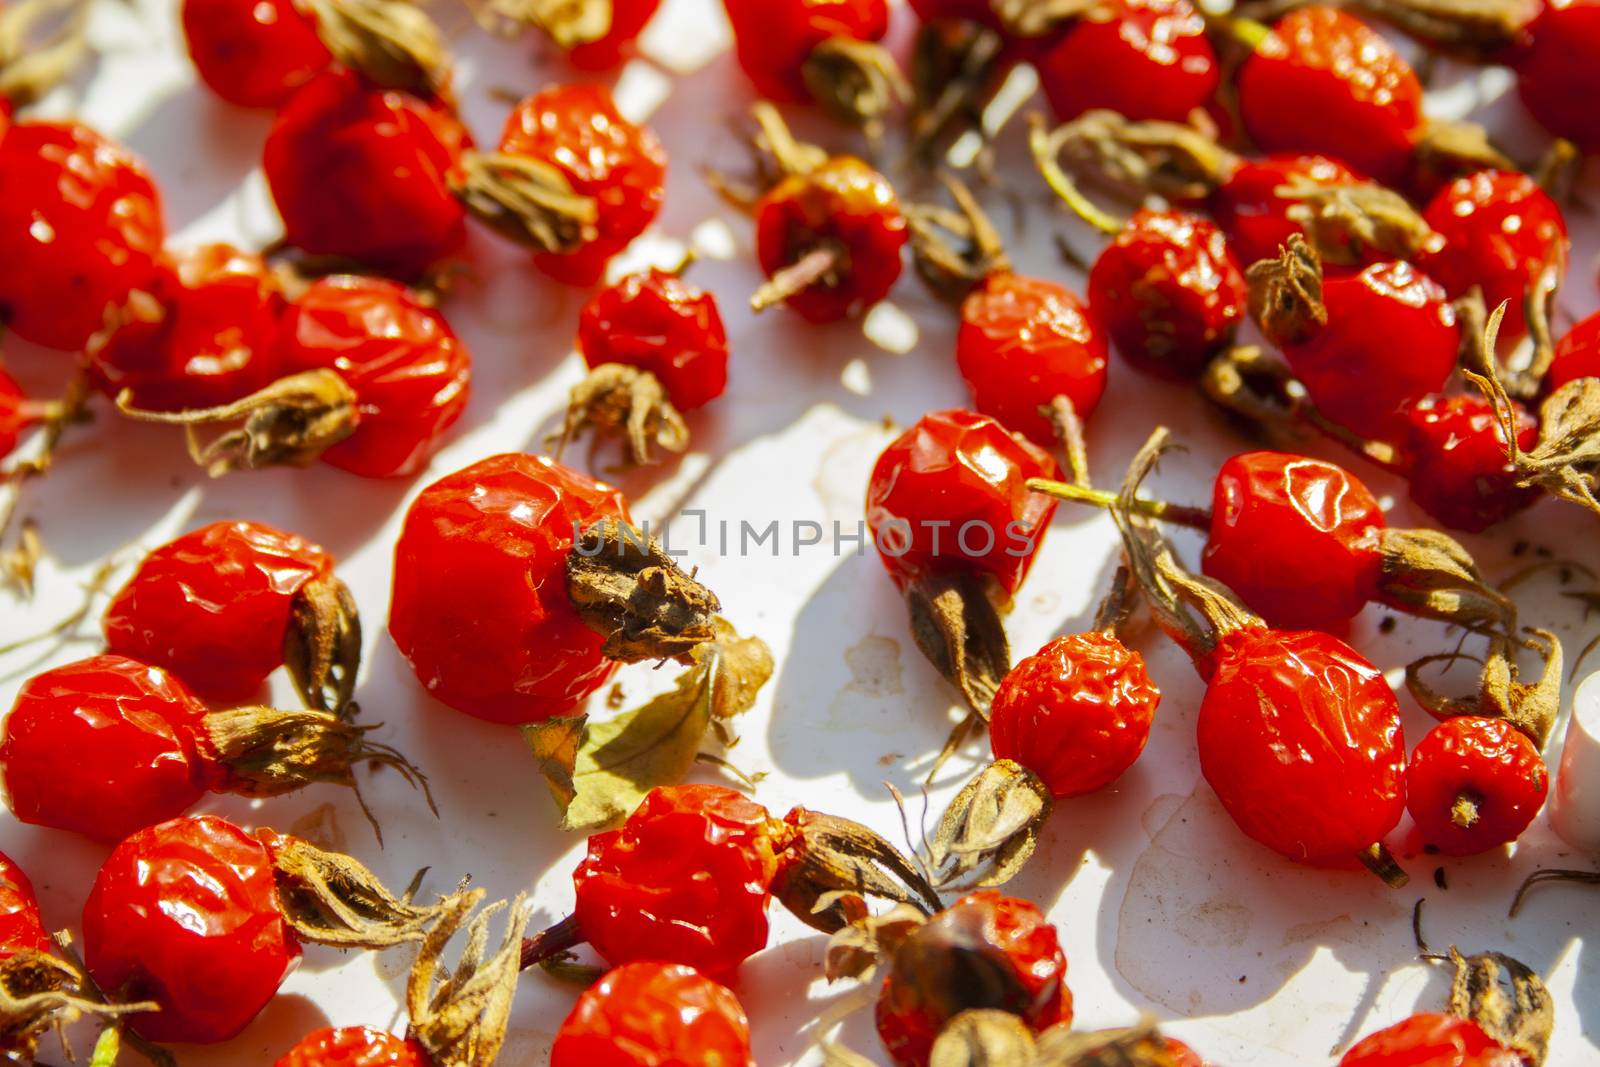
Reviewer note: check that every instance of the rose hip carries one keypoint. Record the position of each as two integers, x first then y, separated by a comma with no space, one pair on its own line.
21,928
654,1015
1430,1039
355,1046
799,51
1577,354
1145,59
1556,72
1251,206
16,414
1474,784
659,323
253,53
1456,461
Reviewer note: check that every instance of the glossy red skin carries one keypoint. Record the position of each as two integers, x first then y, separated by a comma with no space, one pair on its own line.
1556,72
412,376
186,914
1012,938
213,606
1501,233
1251,211
1430,1039
362,173
1169,293
1324,81
1182,1055
1577,354
657,322
843,204
1391,339
1300,737
1489,761
1296,538
104,746
354,1046
773,38
576,129
1146,59
14,416
253,53
20,925
80,225
1458,468
211,337
480,605
1077,713
654,1015
685,880
628,20
959,467
1022,343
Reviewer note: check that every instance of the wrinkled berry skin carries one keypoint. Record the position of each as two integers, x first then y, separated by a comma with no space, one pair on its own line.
412,376
1430,1039
1300,737
1255,215
845,206
354,1046
657,322
186,914
654,1015
20,925
1556,72
984,951
362,173
1169,293
213,606
80,225
14,417
1022,343
628,20
958,469
685,880
1487,761
1457,462
480,605
1077,713
253,53
1577,354
1324,81
1296,538
576,129
773,38
1145,59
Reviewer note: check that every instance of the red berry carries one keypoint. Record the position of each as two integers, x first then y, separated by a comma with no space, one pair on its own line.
1474,784
1324,81
253,53
186,914
1296,538
411,375
844,207
20,925
1169,293
1024,342
984,951
657,322
774,38
1457,462
214,606
576,130
1577,354
628,20
654,1015
1076,713
1557,75
1300,737
1182,1055
354,1046
686,880
1146,59
15,416
1252,210
80,226
1430,1039
363,173
950,495
480,604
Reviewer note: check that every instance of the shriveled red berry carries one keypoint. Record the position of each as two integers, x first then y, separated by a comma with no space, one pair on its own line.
354,1046
773,39
1145,59
411,375
628,20
950,496
253,53
1474,784
1251,206
657,322
20,925
1169,292
362,173
186,914
1430,1039
15,416
1324,81
1577,354
1024,342
1557,76
1457,466
654,1015
214,605
80,226
1184,1056
1077,713
480,605
984,951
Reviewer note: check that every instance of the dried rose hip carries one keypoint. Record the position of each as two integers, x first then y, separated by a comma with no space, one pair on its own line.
1456,461
1253,209
1145,59
1556,72
1577,354
654,1015
355,1046
1474,784
797,51
21,928
80,226
1430,1039
16,414
253,53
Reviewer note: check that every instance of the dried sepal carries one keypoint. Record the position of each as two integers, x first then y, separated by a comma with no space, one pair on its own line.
460,1015
40,993
984,1037
331,899
956,625
392,43
956,68
41,41
1432,575
1482,26
568,23
954,251
622,401
1286,294
855,949
1506,998
322,648
629,590
1347,220
1449,150
1039,18
832,855
854,81
1140,1045
990,829
774,141
1531,707
525,200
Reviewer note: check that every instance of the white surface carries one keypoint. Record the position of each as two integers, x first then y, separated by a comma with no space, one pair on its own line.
1575,801
1161,903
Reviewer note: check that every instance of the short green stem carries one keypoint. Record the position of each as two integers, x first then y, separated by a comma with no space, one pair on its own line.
1160,510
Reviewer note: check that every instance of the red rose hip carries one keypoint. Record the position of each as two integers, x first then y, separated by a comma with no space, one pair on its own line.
654,1015
1474,784
1430,1039
21,928
1144,59
253,53
354,1046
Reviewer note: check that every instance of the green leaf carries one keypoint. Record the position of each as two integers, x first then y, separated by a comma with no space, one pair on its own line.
107,1048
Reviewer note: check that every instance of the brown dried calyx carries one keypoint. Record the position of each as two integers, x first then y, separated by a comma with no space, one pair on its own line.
331,899
954,251
990,830
39,993
392,43
322,648
956,68
1481,26
1039,18
990,1038
1449,150
525,200
1506,998
41,41
460,1015
833,864
622,401
1347,220
626,588
568,23
1430,574
289,423
1286,294
1531,707
855,81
